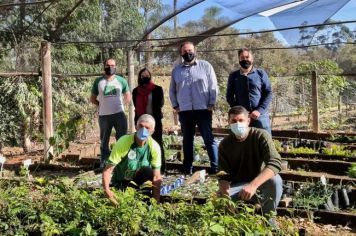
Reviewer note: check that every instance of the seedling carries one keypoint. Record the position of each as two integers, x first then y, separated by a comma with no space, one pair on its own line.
25,170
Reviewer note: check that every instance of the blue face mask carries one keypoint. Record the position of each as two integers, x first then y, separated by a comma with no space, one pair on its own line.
239,129
142,134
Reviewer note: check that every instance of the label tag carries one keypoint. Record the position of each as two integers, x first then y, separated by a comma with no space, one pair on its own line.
132,154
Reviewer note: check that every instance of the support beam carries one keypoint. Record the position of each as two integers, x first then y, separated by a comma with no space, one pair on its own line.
47,96
315,108
131,72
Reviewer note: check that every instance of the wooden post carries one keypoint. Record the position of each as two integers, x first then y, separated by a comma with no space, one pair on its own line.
315,109
47,96
131,70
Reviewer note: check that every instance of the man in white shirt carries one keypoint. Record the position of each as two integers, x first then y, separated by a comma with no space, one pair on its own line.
109,92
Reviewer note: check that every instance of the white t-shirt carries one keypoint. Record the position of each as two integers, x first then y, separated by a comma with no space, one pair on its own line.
109,94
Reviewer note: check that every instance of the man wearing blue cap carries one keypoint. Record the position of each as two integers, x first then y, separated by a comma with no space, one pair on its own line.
135,157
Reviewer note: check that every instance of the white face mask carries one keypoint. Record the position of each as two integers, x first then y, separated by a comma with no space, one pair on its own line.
239,129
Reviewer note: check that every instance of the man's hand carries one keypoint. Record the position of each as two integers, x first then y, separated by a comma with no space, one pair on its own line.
176,110
111,196
255,114
224,188
247,192
93,100
210,108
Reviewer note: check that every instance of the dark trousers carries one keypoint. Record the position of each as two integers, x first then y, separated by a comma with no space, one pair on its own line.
263,122
203,119
117,121
157,135
141,176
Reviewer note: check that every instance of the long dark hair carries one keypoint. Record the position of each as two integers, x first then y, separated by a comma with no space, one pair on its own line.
139,75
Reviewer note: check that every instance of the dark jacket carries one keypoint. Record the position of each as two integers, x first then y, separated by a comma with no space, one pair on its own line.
254,91
157,102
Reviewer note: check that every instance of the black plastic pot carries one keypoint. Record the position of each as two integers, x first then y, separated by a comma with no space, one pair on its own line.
335,199
344,200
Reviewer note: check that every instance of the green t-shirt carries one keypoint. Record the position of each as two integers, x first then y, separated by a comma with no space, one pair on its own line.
127,157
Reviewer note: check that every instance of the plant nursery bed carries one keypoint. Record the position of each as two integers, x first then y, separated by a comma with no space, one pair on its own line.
318,156
321,216
316,165
304,176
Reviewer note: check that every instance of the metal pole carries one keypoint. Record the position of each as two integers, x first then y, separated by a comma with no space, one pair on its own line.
315,108
47,96
131,70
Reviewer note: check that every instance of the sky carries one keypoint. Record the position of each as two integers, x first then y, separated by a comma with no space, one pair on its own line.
256,22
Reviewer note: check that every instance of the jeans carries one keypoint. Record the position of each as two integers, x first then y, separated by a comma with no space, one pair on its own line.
263,122
203,119
117,121
269,193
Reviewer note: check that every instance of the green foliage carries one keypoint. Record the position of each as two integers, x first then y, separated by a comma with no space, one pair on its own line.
300,150
352,170
343,139
312,195
330,86
65,133
20,106
278,145
338,150
60,208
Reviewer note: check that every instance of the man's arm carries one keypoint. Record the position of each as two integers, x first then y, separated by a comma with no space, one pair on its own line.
107,173
93,100
173,93
250,189
272,160
224,188
127,97
230,93
266,94
157,180
213,87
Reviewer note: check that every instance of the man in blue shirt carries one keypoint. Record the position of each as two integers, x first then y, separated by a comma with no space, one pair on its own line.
193,91
250,87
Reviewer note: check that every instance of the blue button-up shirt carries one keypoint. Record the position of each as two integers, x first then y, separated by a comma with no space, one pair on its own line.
193,87
254,91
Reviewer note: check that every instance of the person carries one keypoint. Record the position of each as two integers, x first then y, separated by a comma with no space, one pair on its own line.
249,163
135,157
108,93
250,88
148,99
193,91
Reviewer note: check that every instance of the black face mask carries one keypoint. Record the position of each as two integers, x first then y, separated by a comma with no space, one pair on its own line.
145,80
188,56
110,70
245,64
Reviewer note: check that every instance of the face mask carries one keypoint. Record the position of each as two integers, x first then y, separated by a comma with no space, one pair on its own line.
145,80
239,129
110,70
188,57
245,64
142,134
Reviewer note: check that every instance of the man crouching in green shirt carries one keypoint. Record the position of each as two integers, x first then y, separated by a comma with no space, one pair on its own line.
135,157
249,163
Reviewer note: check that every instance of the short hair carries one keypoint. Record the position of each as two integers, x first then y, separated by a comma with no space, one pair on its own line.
237,110
244,50
146,118
108,60
185,43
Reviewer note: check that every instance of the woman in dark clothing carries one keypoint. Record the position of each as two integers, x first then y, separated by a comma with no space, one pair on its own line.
148,99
